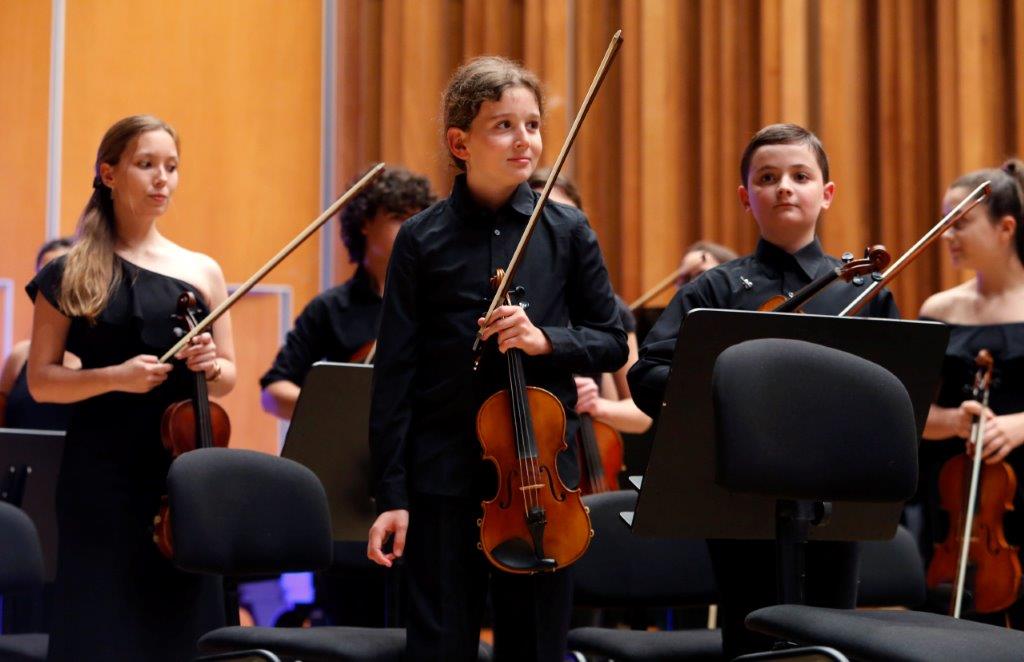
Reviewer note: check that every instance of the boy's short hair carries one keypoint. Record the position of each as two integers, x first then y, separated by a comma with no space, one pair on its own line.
396,191
783,134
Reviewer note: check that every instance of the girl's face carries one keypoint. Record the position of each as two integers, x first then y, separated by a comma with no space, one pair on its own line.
786,193
503,143
974,240
145,177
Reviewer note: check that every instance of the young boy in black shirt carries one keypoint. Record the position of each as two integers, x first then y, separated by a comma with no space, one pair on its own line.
428,476
786,188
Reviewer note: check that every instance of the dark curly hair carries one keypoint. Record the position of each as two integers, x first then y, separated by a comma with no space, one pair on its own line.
396,191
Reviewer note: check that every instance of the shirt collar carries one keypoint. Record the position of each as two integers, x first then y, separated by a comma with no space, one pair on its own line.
521,202
808,259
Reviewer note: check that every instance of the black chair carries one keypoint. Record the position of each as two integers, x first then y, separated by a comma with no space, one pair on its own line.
847,433
624,570
891,572
21,570
242,513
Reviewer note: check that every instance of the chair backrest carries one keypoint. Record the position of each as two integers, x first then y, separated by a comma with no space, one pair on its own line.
621,569
21,557
891,572
238,512
796,420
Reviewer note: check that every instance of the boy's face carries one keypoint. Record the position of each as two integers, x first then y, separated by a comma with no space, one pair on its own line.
503,143
786,194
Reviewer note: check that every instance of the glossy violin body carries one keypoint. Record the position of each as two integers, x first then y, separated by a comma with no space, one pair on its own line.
975,558
601,456
875,259
534,523
187,425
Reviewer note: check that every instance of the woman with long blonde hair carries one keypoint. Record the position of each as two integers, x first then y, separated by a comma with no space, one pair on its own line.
110,301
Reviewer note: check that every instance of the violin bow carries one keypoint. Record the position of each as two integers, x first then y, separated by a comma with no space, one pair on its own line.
370,175
974,198
556,168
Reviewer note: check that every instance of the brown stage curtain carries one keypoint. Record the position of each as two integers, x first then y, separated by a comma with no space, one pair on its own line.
905,94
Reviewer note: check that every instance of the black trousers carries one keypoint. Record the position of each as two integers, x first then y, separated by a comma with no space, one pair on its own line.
448,579
745,574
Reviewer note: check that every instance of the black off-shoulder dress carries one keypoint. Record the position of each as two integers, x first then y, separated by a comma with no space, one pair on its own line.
117,598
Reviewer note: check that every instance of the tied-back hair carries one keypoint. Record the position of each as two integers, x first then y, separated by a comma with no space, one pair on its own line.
1006,197
89,274
783,134
482,79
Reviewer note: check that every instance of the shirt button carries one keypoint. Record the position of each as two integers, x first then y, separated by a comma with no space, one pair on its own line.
497,232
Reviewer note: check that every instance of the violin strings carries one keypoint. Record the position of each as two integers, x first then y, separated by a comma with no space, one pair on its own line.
530,436
517,425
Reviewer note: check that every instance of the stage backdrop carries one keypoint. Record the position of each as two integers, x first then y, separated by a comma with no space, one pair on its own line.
905,94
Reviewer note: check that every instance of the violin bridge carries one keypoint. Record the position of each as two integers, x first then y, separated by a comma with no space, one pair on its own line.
530,487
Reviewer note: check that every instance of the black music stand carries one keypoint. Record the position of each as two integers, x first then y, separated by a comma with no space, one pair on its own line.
679,497
30,462
329,434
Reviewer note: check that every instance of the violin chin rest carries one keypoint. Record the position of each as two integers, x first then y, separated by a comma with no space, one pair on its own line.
518,555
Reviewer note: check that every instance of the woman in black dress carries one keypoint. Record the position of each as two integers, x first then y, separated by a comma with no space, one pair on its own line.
110,301
985,312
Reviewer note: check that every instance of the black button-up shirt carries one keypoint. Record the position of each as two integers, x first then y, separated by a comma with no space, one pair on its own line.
336,324
425,392
744,284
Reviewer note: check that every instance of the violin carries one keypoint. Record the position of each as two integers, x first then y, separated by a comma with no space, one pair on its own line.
875,259
975,557
522,431
187,425
601,456
365,353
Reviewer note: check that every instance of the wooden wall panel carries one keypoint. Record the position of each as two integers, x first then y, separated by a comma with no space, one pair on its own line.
241,83
24,113
258,335
906,95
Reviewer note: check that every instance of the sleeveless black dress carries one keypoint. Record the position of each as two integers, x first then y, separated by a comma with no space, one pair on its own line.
117,598
1006,396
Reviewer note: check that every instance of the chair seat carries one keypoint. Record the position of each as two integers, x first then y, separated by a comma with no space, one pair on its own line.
899,636
643,646
318,644
23,647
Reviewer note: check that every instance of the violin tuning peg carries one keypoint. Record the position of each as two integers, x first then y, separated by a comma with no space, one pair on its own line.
846,257
586,509
480,546
479,522
591,533
156,519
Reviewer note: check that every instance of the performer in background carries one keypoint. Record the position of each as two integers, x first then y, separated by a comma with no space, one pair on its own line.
340,324
428,476
701,256
986,312
17,408
110,302
604,396
785,186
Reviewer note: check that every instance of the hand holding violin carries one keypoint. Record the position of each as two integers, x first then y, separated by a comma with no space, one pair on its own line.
391,524
200,355
1002,433
140,374
514,329
588,397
